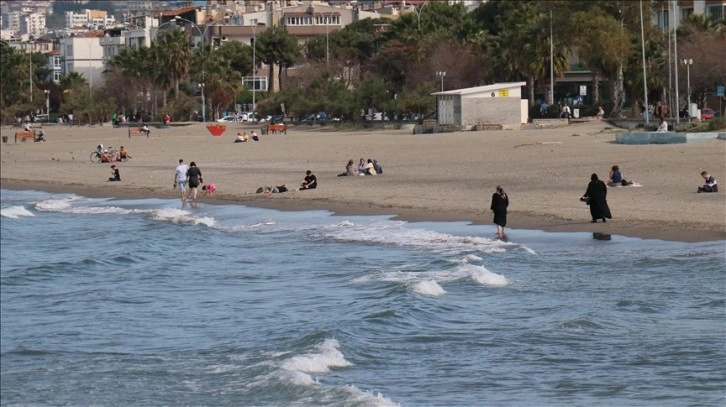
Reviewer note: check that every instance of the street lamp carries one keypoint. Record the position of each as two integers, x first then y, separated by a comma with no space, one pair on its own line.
254,63
30,64
201,85
441,74
688,63
47,104
327,18
418,14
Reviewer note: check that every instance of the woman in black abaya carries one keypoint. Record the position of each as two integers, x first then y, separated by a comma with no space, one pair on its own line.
597,193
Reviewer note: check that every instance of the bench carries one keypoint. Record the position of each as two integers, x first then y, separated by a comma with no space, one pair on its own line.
24,134
277,128
137,131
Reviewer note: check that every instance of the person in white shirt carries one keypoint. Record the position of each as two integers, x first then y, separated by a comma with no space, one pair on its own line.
180,179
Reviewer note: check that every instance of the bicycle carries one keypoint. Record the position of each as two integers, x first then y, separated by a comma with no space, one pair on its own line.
96,156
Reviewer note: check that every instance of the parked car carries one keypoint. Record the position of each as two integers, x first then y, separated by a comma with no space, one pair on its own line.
43,117
227,119
707,113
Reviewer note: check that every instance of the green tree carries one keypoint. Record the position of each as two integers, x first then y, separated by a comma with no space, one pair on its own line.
276,47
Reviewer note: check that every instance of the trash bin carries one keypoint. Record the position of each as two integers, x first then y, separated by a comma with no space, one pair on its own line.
5,139
263,130
576,113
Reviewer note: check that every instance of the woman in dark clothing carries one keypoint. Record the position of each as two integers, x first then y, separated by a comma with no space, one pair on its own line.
597,192
500,202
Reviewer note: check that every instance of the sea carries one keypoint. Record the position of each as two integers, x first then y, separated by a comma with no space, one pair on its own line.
145,302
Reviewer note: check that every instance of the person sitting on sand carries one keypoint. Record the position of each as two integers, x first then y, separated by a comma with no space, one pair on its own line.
310,181
116,175
616,178
242,138
350,169
123,154
710,183
378,167
209,189
362,166
105,156
369,169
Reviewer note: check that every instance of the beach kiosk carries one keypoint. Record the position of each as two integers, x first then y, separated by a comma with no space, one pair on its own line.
500,104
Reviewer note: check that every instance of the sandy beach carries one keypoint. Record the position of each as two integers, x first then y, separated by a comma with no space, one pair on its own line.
432,177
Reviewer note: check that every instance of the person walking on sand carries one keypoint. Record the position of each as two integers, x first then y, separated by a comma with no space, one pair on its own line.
500,202
180,179
194,176
597,192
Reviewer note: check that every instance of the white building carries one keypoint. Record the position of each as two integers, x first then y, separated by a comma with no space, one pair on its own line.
32,24
497,104
82,53
664,12
89,18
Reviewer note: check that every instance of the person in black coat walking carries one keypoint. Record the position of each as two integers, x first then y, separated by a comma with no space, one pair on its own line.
595,196
500,202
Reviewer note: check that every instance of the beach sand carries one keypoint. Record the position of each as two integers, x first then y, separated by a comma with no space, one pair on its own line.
431,177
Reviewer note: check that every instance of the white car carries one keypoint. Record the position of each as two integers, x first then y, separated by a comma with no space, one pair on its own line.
227,119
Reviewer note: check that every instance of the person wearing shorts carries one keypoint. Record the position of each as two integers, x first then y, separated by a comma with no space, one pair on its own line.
194,175
180,179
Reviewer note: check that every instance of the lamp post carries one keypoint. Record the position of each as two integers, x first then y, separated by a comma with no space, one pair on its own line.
327,18
47,104
30,65
254,63
90,69
418,14
441,74
688,63
201,85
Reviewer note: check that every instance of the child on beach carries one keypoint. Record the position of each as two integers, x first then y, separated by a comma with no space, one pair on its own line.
209,189
710,183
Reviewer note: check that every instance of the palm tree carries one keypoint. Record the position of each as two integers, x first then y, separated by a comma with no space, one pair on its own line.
175,54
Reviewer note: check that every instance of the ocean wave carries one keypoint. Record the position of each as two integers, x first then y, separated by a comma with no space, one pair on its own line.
327,356
428,287
15,212
180,216
397,233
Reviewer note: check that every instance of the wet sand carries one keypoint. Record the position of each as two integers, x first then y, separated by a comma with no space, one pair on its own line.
432,177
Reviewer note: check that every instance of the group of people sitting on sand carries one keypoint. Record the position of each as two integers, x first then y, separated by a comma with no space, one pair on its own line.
244,137
370,167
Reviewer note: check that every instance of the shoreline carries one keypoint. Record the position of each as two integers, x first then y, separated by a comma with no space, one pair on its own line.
446,177
516,220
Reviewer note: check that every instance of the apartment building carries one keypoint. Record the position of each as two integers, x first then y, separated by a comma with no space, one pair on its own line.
82,53
664,13
32,24
89,18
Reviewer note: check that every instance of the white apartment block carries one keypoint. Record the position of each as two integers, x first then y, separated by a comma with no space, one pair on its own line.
32,24
11,21
664,12
89,18
83,54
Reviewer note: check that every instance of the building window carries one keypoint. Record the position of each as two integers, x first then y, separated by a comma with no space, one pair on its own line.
56,62
715,12
56,76
331,20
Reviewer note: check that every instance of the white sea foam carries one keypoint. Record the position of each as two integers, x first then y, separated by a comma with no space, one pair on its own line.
369,398
483,276
428,287
327,356
181,216
396,233
56,204
15,212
